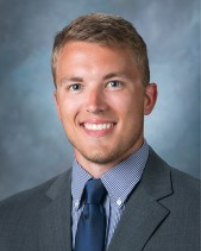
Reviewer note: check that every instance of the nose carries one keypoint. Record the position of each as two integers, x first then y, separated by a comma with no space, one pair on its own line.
96,102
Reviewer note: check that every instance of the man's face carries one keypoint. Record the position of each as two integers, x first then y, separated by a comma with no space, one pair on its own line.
101,102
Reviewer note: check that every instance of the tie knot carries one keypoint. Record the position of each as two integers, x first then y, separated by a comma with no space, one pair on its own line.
94,191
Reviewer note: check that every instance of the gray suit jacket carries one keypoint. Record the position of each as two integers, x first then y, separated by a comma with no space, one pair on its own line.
162,214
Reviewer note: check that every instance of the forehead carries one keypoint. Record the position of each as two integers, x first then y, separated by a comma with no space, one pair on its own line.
77,50
92,56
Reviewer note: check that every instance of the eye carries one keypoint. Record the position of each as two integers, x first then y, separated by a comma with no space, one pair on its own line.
75,87
114,84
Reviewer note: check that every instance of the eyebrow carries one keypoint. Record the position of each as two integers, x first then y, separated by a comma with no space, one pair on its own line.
79,79
114,75
71,79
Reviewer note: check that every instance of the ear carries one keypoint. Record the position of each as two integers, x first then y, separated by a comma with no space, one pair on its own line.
56,101
150,98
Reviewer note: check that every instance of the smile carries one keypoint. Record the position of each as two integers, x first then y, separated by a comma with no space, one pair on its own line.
98,127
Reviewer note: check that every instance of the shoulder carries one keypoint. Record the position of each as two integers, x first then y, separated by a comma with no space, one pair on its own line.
21,214
29,199
160,167
186,196
184,182
182,187
25,198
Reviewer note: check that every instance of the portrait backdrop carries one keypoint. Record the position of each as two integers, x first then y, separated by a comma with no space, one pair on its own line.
33,145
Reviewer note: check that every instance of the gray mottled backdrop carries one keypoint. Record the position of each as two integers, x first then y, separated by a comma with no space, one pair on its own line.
33,146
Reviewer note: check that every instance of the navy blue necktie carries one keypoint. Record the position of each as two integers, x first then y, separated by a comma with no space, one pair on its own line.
91,228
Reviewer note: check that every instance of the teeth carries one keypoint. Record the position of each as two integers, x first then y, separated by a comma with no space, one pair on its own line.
97,127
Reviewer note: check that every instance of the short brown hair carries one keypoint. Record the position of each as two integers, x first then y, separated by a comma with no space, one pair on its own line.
104,29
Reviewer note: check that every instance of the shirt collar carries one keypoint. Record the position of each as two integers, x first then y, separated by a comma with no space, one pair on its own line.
119,181
79,179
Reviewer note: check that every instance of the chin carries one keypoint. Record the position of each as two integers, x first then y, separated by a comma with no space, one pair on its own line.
101,157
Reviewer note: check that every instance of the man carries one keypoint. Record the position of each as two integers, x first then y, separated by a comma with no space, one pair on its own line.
102,92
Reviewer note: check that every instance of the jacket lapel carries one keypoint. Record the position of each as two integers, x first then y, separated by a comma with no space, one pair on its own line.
144,211
55,224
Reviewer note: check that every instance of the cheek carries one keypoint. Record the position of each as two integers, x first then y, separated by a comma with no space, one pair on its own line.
133,118
130,108
68,115
68,105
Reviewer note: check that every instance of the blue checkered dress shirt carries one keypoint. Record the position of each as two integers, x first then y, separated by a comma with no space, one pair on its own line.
119,182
